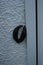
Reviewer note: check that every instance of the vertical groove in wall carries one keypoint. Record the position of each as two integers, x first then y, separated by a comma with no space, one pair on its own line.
36,32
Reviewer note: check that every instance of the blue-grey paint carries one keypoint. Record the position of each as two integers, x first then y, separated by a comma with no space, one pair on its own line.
31,32
11,15
40,32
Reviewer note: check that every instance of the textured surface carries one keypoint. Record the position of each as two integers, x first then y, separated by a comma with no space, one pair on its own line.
11,15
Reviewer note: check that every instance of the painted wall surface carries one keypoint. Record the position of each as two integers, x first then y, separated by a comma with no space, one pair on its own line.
40,32
11,15
31,31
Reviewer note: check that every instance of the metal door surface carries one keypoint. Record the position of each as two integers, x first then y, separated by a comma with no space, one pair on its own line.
12,14
31,32
40,32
